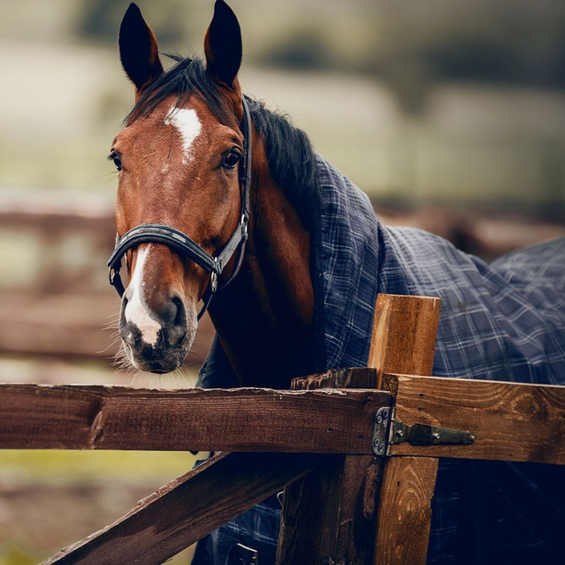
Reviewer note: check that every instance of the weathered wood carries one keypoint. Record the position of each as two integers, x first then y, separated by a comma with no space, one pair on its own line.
408,485
96,417
339,498
404,335
358,377
512,422
309,517
187,509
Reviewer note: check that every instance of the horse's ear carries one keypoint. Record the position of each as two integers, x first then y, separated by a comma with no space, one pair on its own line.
222,45
139,52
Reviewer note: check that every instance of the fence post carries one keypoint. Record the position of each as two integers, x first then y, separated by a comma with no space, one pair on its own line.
330,516
404,337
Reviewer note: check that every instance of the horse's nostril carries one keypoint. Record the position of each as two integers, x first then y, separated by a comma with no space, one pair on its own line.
179,327
180,317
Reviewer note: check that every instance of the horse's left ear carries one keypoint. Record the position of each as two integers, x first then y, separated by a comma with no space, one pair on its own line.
139,52
222,45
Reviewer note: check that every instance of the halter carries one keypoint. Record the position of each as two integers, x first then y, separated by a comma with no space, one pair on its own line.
187,247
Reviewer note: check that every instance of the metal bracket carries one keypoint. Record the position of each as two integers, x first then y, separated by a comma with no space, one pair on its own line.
380,431
423,434
389,432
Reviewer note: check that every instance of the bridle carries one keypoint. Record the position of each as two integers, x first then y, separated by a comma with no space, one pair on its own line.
187,247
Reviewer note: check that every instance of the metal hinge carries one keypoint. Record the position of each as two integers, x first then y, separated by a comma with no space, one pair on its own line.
380,431
389,432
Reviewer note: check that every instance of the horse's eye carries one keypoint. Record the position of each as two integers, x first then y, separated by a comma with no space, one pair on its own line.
231,159
116,158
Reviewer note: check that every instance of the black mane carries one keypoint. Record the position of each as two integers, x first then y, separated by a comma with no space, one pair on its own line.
291,159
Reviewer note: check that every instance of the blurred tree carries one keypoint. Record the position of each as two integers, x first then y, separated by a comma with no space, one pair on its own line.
100,19
302,48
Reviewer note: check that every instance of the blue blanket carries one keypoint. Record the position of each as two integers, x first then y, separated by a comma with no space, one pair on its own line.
504,321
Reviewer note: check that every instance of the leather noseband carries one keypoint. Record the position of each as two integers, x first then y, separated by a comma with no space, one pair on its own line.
187,247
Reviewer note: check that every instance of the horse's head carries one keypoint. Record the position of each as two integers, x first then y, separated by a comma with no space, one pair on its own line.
179,161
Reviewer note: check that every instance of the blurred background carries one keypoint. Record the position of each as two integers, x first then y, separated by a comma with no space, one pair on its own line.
450,115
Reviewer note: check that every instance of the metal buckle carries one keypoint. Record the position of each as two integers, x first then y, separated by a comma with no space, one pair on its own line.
214,276
243,222
214,281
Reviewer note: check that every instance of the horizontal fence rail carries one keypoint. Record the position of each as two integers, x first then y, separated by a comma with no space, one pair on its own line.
245,419
510,421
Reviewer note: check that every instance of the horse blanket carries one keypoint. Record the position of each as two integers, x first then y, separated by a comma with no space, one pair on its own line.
504,321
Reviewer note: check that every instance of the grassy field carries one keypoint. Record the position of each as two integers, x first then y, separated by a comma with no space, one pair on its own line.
50,499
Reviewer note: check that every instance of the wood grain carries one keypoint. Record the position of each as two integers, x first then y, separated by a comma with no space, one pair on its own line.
512,422
95,417
338,498
408,486
187,509
358,377
404,336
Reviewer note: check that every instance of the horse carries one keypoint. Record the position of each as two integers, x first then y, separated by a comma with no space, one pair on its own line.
221,200
191,116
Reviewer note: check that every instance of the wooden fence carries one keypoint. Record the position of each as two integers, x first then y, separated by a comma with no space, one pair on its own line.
356,450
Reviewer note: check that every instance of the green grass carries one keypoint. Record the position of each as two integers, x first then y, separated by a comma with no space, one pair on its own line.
12,554
88,466
23,469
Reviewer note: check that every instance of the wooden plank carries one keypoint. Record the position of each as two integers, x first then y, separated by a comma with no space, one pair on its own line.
187,509
329,515
96,417
404,336
512,422
408,485
357,377
339,498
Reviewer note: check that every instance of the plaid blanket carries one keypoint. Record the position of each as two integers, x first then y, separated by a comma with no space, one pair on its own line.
504,321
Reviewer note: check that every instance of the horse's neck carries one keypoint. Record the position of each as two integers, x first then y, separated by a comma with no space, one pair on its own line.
264,317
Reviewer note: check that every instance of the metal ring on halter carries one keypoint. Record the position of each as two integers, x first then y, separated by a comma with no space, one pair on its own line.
184,245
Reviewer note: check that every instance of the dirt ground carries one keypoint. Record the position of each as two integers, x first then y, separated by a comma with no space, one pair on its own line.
37,520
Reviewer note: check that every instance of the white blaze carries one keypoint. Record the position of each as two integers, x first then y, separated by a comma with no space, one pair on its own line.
188,125
136,311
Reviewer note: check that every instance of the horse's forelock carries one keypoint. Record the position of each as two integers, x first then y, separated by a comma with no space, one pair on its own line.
188,76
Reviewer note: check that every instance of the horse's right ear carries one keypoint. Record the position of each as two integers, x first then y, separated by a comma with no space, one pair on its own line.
139,52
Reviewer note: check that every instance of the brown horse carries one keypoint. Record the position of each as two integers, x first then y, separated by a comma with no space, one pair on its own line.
221,200
180,157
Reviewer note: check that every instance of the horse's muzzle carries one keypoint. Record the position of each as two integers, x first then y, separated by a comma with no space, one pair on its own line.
157,340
